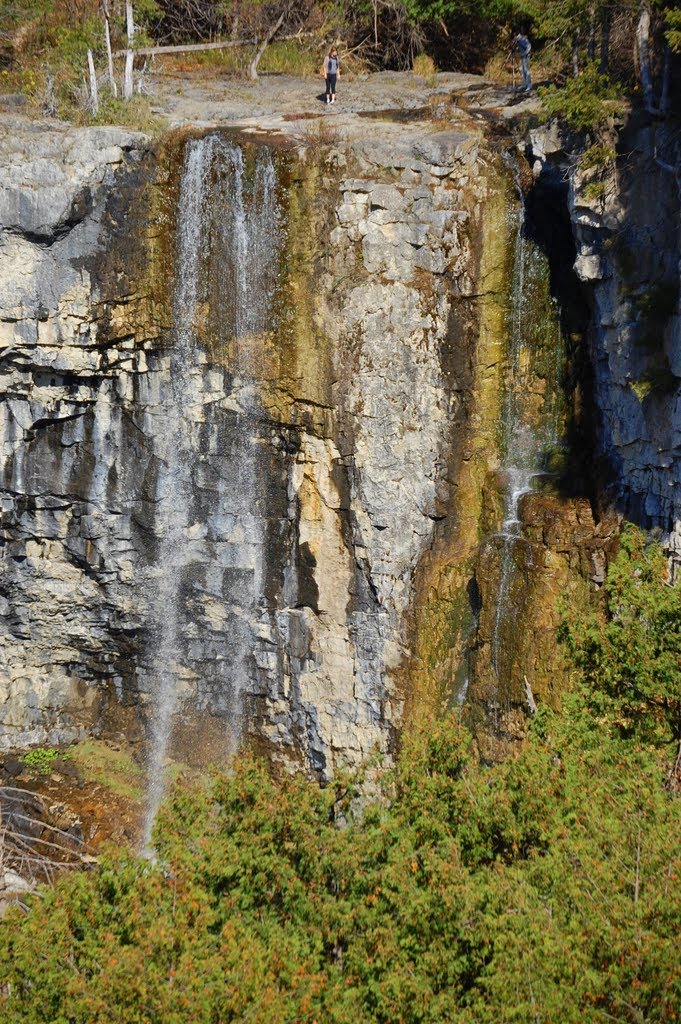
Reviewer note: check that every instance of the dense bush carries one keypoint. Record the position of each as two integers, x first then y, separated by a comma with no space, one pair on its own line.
543,889
584,103
628,654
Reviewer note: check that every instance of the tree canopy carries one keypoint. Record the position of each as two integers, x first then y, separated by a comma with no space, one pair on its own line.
545,888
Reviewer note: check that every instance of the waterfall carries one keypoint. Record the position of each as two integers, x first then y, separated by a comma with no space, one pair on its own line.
226,256
530,415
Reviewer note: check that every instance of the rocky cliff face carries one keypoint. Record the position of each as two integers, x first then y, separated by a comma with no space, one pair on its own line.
625,213
275,457
213,516
69,352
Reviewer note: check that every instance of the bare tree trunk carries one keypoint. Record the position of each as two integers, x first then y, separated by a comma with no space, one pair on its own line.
129,55
605,42
575,55
109,54
140,80
643,47
665,104
591,48
375,6
253,66
94,95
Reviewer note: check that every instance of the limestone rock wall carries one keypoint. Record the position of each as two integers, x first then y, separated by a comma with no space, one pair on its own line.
322,463
625,216
65,611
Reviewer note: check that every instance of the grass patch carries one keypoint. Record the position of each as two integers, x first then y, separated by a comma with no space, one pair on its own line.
286,57
41,760
55,96
113,769
135,113
424,66
317,135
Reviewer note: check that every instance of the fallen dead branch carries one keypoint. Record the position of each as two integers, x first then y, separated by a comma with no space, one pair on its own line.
33,850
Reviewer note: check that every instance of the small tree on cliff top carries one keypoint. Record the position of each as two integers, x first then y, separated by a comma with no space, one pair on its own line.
263,20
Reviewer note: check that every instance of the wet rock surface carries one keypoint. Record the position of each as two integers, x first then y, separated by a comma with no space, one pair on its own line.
562,558
326,566
320,466
625,216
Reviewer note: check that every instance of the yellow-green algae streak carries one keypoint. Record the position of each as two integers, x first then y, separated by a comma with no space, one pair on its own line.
442,613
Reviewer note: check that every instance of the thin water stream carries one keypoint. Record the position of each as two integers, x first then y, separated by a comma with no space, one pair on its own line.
226,257
531,416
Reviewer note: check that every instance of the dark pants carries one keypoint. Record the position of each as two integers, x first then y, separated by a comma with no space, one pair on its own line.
525,69
331,85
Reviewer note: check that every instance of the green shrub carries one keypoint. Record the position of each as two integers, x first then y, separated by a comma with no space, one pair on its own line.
41,759
583,103
541,889
595,190
424,66
597,157
627,657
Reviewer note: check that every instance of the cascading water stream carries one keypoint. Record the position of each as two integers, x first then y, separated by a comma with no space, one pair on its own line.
529,420
227,250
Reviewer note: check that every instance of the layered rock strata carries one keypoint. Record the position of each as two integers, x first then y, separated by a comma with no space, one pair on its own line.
325,448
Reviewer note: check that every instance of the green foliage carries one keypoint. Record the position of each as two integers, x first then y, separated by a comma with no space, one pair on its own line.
673,28
595,190
135,113
72,42
628,656
41,759
434,10
583,103
597,157
545,888
551,877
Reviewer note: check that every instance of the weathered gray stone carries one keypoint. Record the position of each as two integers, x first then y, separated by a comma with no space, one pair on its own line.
303,532
628,248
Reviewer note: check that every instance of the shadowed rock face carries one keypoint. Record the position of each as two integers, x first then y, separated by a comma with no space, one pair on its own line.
625,218
267,590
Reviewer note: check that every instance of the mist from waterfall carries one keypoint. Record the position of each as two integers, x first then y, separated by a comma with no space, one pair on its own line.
226,253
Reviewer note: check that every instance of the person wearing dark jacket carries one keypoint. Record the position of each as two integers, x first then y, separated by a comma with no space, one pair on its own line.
331,71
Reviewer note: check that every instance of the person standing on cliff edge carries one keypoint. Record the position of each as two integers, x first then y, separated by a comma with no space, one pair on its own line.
523,46
331,71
